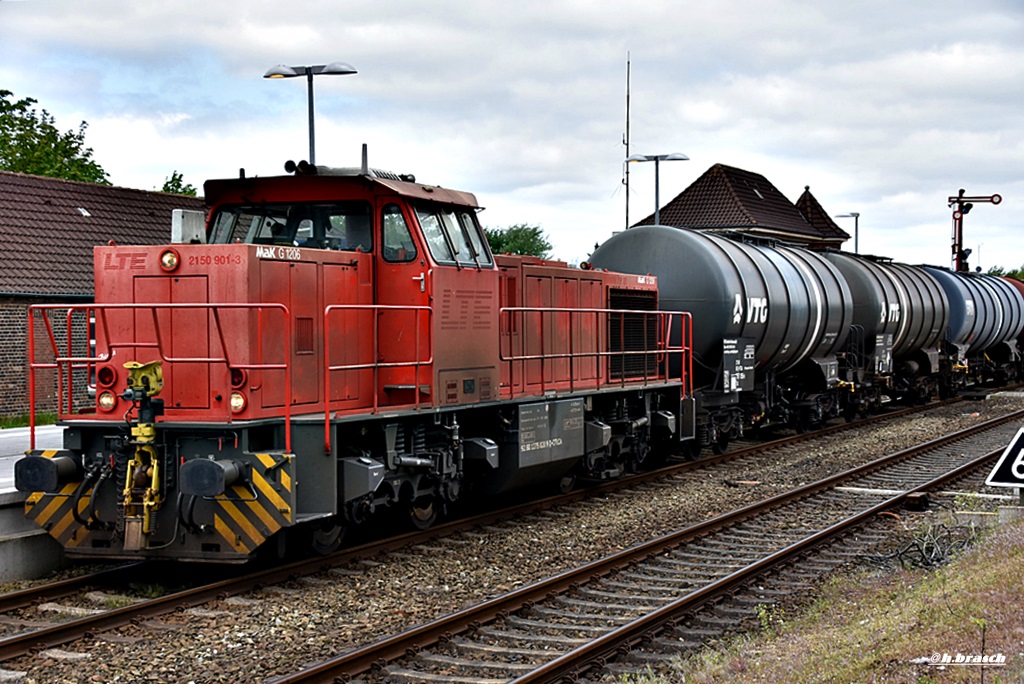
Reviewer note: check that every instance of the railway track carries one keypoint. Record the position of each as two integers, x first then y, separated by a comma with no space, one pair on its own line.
148,612
578,620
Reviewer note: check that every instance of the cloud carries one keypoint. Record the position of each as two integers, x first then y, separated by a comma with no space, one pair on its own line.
880,111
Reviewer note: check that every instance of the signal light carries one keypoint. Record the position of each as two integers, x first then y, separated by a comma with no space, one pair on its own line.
237,402
169,260
238,377
106,376
106,400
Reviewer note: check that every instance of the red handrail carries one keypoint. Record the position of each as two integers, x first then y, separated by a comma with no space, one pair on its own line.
417,363
69,362
663,347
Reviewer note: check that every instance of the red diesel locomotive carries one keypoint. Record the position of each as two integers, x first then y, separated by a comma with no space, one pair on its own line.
327,345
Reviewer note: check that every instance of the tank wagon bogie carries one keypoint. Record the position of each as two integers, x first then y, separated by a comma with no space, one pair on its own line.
329,346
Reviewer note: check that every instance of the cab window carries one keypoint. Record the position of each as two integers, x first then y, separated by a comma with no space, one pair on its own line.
338,225
397,242
437,240
453,236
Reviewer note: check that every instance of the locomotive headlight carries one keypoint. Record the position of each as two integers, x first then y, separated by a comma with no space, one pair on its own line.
106,400
237,402
169,260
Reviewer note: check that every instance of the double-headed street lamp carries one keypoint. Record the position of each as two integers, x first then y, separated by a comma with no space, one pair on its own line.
657,159
334,69
855,215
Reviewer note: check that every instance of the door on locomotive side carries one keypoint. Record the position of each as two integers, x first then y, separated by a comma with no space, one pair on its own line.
403,328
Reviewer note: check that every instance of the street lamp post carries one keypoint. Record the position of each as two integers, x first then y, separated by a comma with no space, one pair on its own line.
333,69
657,159
855,215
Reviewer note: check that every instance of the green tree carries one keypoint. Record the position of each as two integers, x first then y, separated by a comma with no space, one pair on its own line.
31,143
1017,273
519,239
176,185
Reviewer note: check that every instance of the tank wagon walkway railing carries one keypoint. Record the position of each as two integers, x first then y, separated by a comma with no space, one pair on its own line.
96,330
567,346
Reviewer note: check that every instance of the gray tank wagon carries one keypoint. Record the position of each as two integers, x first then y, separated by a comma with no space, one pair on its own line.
900,316
986,316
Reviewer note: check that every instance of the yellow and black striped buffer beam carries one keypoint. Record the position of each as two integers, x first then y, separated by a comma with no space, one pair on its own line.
53,510
248,514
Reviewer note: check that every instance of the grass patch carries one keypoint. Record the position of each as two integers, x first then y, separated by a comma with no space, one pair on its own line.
22,420
885,626
115,602
149,590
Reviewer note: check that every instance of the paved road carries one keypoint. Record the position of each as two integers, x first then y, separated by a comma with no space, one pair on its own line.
14,442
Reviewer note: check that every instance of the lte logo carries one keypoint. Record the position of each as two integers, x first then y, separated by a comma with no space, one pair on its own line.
121,261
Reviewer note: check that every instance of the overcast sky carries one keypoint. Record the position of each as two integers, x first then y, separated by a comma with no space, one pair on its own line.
883,108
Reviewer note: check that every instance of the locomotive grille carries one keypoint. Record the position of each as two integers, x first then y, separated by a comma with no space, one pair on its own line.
632,332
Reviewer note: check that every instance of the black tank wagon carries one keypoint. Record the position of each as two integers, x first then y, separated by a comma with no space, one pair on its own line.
769,323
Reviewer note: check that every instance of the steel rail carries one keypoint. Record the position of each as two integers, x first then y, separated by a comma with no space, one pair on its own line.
630,634
396,646
22,598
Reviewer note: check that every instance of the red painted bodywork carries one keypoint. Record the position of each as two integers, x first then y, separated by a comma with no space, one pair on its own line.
371,334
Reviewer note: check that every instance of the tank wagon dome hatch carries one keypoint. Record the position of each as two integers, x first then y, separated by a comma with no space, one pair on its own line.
781,304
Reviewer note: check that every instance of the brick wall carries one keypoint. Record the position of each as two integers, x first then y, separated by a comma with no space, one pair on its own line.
13,388
14,359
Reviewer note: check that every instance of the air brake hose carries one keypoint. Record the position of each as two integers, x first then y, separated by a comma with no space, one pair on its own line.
90,476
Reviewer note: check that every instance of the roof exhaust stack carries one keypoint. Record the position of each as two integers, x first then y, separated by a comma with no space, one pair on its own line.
365,168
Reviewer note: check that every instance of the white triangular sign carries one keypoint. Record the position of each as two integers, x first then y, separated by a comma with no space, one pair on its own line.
1009,470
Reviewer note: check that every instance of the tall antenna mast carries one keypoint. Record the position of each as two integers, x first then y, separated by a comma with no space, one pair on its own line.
625,141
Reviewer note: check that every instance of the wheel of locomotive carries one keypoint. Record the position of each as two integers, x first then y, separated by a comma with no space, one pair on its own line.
423,512
641,455
325,536
720,445
850,413
567,483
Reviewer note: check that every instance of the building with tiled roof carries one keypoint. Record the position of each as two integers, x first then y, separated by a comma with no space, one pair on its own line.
48,227
816,215
725,198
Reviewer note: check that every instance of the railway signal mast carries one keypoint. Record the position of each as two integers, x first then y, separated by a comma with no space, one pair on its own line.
964,205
